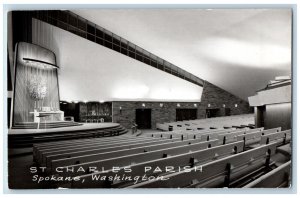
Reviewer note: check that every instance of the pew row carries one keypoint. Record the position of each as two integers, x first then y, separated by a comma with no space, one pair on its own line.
186,159
231,137
252,140
132,159
96,154
219,173
186,134
218,122
282,137
277,178
74,143
42,153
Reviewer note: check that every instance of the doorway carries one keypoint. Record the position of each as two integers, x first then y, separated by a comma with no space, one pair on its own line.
143,118
212,113
70,109
227,112
186,114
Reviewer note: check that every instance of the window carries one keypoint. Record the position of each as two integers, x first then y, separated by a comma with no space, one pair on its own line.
62,25
108,44
99,41
91,37
81,33
43,15
91,29
52,21
131,54
81,24
147,60
124,51
123,43
160,63
168,70
139,57
108,36
153,63
99,33
116,40
63,16
116,48
73,20
139,50
53,14
146,55
131,47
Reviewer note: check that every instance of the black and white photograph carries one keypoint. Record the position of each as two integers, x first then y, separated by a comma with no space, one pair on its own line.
149,98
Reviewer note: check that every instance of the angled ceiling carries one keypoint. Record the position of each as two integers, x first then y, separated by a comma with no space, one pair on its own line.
239,50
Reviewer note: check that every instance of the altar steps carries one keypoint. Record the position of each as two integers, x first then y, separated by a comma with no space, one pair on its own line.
45,125
27,140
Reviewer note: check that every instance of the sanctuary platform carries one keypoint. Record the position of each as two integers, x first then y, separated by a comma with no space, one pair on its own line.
26,137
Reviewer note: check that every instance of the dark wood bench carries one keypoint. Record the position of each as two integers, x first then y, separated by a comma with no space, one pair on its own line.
96,154
281,137
216,173
252,139
109,146
135,158
186,159
277,178
231,137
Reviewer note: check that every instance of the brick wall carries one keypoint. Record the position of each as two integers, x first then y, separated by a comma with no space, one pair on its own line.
167,113
216,97
212,95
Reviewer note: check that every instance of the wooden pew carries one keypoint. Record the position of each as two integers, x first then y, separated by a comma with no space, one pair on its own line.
180,160
107,147
93,155
253,138
208,122
96,141
212,134
229,137
69,142
215,134
134,158
285,136
91,141
64,143
277,178
187,134
216,173
74,143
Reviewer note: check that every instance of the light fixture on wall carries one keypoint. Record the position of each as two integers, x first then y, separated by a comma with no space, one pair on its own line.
236,105
195,105
224,105
208,105
178,104
143,105
161,104
120,110
101,101
39,63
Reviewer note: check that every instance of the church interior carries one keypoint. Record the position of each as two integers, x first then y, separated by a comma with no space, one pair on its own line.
149,98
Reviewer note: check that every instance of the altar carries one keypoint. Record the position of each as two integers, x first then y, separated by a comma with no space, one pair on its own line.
47,116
